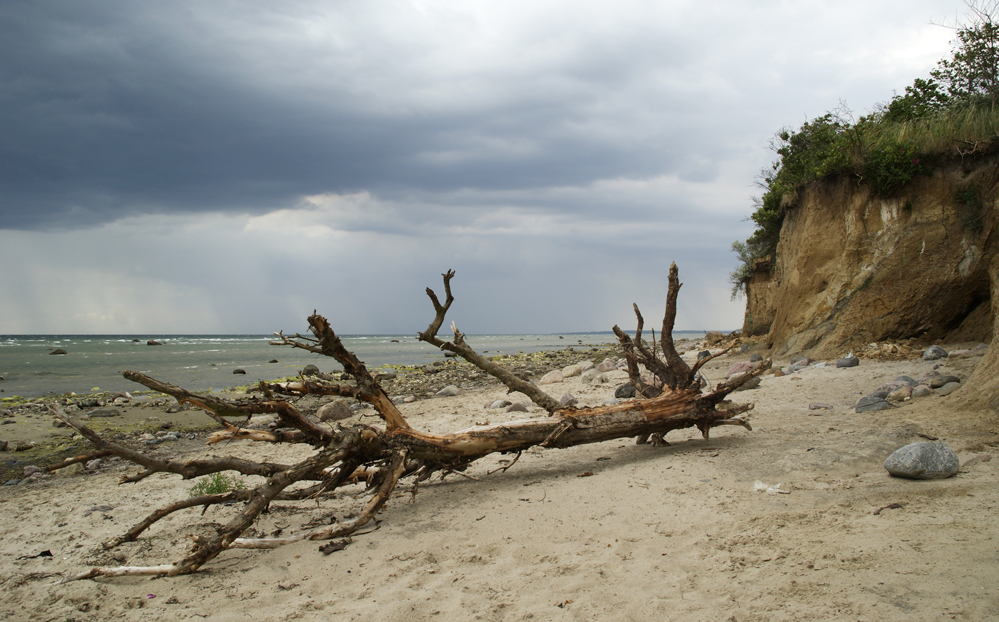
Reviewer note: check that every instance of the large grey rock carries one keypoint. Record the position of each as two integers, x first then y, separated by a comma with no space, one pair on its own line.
871,403
703,354
449,391
585,366
933,353
568,400
755,358
923,461
909,380
900,394
499,404
850,360
606,365
571,370
310,370
921,390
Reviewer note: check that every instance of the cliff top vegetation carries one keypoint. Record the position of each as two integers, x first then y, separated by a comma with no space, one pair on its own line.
950,114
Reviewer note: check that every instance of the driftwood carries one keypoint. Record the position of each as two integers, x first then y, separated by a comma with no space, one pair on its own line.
671,397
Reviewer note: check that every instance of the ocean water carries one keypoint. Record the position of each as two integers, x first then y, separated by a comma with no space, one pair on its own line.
202,362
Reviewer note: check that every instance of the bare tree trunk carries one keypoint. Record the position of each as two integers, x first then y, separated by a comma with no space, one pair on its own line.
382,456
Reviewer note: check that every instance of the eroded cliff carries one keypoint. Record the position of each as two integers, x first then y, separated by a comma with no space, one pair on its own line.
852,268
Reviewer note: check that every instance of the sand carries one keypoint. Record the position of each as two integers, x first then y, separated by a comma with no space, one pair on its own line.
611,531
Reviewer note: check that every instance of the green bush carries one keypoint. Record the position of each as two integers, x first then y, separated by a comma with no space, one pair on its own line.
890,167
216,484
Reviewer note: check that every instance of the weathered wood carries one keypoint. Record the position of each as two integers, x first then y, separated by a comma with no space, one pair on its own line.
382,456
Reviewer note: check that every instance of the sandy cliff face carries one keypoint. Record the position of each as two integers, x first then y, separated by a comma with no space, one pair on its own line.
852,268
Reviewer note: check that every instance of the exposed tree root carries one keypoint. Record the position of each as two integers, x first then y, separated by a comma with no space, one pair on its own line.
671,399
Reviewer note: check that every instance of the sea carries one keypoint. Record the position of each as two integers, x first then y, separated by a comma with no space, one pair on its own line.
93,363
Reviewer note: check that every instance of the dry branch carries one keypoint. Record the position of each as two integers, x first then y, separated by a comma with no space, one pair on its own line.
382,456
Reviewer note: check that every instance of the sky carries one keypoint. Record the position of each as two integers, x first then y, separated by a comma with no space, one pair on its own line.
228,167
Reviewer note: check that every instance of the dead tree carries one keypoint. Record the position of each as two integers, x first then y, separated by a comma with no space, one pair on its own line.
672,398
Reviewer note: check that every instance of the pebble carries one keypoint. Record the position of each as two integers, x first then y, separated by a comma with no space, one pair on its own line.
933,353
850,360
871,403
449,391
949,388
923,461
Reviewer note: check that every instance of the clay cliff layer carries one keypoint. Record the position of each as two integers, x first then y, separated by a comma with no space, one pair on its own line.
852,268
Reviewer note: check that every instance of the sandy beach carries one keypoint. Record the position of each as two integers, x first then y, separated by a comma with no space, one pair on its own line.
609,531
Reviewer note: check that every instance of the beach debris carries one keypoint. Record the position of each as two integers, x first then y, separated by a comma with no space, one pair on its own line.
336,545
850,360
931,460
383,455
890,506
776,489
45,553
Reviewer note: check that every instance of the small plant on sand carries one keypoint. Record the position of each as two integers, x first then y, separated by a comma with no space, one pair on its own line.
216,484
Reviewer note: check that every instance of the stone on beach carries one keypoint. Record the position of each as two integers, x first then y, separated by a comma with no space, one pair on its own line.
933,353
738,368
850,360
334,411
938,381
923,461
552,377
921,390
449,391
571,370
872,403
568,400
625,391
607,365
310,370
949,388
58,351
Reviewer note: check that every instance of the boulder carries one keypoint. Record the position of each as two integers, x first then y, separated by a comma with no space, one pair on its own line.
606,365
153,342
850,360
273,361
310,370
107,411
498,404
568,400
907,380
516,408
597,378
933,353
801,361
552,377
571,370
58,351
585,366
703,354
334,411
611,401
239,372
449,391
755,358
921,390
923,461
587,376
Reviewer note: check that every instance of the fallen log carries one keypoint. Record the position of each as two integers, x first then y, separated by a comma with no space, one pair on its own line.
672,399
